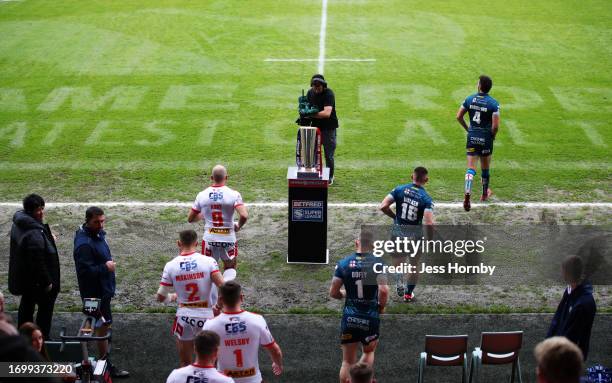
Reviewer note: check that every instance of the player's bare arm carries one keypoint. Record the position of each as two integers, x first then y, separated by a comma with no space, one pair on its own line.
495,124
383,293
243,214
428,220
335,289
325,113
277,358
164,295
385,206
194,216
460,113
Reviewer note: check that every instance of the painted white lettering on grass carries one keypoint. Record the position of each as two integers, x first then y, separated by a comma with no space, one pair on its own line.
15,133
591,132
420,130
276,131
199,97
584,99
515,133
83,98
12,100
377,97
509,97
279,96
95,138
207,133
163,136
54,133
352,130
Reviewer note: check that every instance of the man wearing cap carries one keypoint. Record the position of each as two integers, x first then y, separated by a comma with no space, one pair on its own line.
321,97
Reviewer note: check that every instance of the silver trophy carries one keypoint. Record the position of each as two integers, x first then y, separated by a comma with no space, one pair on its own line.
308,153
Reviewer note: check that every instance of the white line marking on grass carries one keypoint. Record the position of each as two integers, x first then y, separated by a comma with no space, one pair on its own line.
322,34
281,165
444,205
312,60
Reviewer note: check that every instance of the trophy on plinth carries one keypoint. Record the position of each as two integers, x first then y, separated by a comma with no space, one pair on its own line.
308,182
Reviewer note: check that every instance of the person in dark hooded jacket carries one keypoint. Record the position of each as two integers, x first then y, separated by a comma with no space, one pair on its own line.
576,311
34,270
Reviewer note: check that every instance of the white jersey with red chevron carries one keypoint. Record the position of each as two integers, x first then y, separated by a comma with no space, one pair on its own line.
217,204
191,276
197,373
241,335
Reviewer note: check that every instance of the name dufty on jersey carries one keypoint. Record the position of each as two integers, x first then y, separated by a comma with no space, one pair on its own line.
241,333
217,204
411,201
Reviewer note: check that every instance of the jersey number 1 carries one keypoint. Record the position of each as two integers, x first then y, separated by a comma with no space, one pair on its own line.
238,354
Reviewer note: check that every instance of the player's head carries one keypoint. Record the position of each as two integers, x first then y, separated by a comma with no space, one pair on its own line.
34,206
366,240
318,83
419,175
219,174
94,219
361,373
485,83
231,294
188,239
572,269
558,361
206,345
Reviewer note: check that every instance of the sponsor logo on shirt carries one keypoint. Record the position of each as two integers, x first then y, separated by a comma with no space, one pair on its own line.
218,230
240,373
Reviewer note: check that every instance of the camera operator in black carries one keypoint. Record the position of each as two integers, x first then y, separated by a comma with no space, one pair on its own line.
321,97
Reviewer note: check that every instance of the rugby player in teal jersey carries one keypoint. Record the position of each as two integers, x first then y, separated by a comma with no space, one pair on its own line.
483,111
365,297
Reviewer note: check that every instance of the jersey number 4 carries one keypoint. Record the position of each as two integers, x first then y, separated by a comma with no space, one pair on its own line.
476,117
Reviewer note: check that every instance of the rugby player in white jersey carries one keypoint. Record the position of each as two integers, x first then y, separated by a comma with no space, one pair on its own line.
242,333
216,205
206,346
192,275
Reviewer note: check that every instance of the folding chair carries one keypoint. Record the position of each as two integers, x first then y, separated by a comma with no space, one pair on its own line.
498,348
444,350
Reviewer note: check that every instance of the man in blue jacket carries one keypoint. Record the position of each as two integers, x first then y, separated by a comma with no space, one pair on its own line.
576,312
95,271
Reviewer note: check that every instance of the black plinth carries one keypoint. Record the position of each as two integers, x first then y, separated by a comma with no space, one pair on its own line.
307,218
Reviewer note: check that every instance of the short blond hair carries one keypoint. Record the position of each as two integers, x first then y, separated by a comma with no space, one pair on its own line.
219,173
559,360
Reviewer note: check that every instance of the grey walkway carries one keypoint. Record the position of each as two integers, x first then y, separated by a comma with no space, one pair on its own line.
144,346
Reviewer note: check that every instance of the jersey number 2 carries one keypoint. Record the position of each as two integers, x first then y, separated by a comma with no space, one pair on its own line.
193,291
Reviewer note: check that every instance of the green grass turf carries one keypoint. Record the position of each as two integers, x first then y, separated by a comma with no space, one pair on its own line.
158,93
